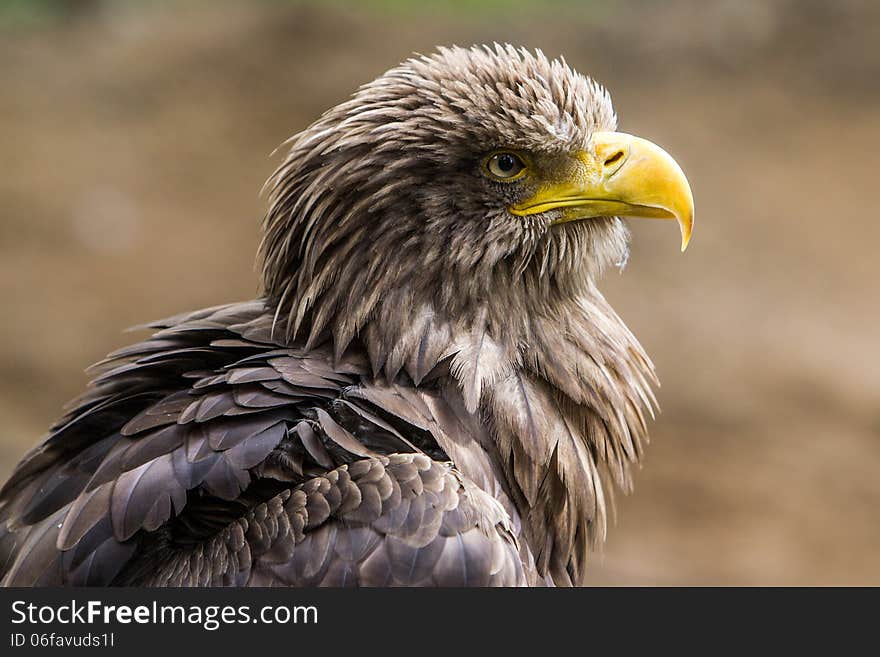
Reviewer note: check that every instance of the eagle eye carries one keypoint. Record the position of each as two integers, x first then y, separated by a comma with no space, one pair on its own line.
505,166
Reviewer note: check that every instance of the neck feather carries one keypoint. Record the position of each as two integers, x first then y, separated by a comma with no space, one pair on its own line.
561,383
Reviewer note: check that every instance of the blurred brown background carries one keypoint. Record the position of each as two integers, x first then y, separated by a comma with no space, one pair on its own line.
134,138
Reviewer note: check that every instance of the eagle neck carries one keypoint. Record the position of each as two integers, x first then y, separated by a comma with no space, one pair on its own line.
562,387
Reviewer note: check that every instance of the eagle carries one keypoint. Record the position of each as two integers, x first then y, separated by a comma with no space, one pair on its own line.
430,390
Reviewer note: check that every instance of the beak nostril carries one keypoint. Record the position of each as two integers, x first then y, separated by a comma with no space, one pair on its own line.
614,158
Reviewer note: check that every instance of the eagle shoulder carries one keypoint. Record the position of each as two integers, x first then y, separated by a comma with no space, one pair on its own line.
227,458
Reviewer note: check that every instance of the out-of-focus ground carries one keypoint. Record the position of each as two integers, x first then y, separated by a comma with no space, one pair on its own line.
134,141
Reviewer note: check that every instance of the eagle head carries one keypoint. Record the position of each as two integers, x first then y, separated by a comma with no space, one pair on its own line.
454,179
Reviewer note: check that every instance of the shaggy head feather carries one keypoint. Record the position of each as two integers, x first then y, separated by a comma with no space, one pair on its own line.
385,193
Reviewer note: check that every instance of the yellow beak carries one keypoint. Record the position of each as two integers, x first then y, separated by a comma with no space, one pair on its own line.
618,175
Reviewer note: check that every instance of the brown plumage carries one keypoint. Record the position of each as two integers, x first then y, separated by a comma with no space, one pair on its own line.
431,392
